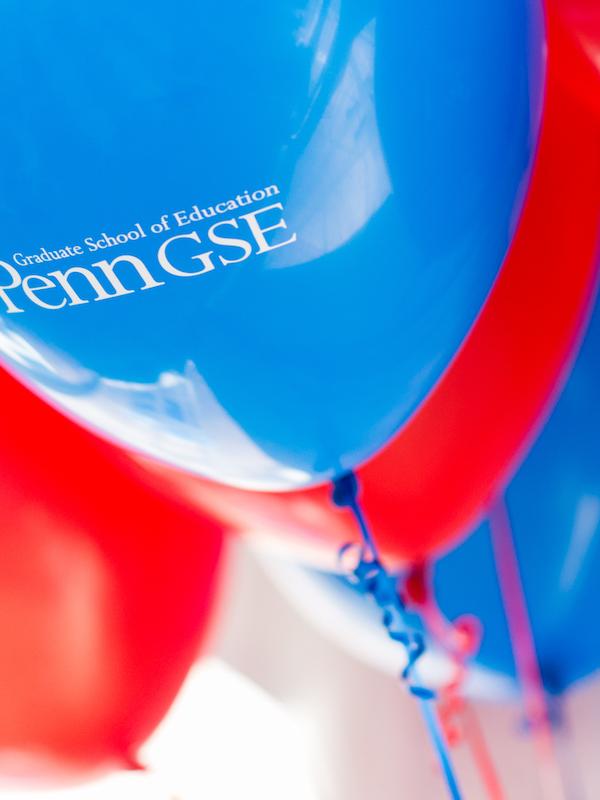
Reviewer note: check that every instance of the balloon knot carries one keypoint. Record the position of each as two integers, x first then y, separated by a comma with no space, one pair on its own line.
345,490
416,584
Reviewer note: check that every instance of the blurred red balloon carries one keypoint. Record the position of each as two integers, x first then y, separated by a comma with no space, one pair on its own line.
106,588
435,477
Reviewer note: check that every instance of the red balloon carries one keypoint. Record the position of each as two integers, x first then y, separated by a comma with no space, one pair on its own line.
433,480
579,29
106,588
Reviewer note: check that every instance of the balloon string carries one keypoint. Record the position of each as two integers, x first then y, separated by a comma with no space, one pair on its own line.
481,755
528,670
569,764
461,640
370,577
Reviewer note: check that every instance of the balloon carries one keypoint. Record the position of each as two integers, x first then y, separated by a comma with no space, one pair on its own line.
106,591
431,483
554,505
297,208
580,34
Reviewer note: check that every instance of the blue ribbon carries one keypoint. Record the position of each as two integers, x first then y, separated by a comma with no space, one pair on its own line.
369,577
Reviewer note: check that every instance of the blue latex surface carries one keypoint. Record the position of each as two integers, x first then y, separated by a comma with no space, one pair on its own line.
554,505
369,158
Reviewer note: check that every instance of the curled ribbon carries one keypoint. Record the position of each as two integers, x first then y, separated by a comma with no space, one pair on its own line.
368,576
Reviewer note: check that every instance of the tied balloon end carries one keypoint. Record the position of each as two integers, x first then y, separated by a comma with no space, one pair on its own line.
345,495
131,763
468,633
416,587
345,490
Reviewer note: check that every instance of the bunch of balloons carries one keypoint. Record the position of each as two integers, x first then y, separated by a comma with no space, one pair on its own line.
268,247
255,258
433,480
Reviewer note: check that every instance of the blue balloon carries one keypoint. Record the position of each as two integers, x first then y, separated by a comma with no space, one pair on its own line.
554,505
248,237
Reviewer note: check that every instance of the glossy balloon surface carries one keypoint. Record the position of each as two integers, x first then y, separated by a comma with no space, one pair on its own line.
248,238
578,26
554,505
107,587
431,483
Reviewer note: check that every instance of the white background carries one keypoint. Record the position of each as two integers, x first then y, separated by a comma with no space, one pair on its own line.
280,710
